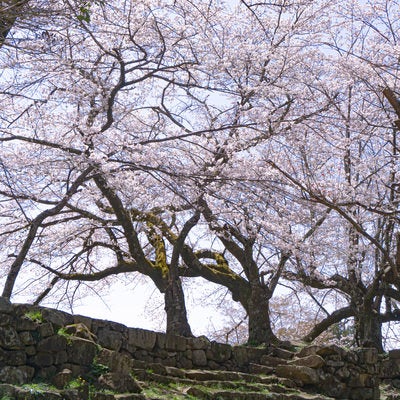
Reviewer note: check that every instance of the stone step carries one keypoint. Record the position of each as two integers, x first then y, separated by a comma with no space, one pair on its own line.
249,395
213,378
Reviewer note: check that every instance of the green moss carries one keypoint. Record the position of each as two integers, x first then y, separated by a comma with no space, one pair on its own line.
62,332
35,316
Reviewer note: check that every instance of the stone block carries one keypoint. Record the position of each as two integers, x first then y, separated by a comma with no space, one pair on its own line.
219,352
199,358
303,375
110,339
161,340
26,338
80,330
119,382
102,396
116,362
240,356
185,363
5,306
142,338
255,354
394,354
56,317
16,375
60,357
271,361
6,320
308,351
46,373
176,343
52,344
362,381
9,339
80,319
364,394
260,369
42,359
77,370
25,324
45,330
14,358
283,353
30,350
332,350
199,343
81,351
62,379
311,361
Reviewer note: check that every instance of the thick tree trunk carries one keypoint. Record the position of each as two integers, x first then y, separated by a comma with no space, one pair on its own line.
260,330
368,329
177,322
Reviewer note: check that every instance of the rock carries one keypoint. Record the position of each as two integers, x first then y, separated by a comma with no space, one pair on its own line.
13,358
175,343
46,329
199,358
283,353
271,361
201,343
81,351
26,338
330,350
142,338
5,305
219,352
61,380
260,369
304,375
52,344
312,361
56,317
80,330
116,362
9,339
308,351
16,375
240,355
119,382
394,354
110,339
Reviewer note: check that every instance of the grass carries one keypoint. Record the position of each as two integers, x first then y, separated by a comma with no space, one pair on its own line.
35,316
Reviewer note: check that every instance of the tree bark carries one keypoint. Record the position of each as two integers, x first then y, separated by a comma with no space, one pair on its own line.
177,322
368,328
322,326
260,330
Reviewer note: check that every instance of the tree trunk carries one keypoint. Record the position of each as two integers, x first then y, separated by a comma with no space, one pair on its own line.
260,331
368,329
177,322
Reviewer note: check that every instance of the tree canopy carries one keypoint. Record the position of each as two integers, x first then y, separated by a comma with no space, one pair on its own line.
253,144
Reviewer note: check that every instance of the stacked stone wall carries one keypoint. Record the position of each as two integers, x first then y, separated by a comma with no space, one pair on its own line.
39,343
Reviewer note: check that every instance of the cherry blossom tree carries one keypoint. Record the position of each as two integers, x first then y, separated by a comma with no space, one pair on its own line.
248,143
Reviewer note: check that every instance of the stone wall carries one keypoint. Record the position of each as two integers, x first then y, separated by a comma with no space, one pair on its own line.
336,372
38,342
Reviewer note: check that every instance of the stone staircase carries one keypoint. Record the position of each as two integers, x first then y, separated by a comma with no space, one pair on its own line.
163,382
